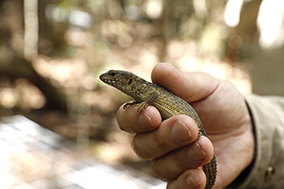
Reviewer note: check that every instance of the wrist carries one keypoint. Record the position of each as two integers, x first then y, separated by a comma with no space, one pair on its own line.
246,172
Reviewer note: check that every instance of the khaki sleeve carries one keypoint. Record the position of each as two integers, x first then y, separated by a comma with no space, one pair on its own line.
268,118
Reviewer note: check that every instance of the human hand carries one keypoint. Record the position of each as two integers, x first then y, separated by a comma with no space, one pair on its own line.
171,144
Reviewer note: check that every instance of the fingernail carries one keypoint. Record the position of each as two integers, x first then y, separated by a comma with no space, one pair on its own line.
197,154
145,120
201,149
180,131
191,182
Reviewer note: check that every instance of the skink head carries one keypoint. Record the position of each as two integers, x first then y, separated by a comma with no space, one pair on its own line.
125,81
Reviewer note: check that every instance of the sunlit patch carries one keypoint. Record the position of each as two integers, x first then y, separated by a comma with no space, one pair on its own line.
270,24
62,72
236,74
8,97
24,94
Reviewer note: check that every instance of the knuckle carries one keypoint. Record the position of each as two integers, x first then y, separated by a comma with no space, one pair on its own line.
161,141
138,148
159,170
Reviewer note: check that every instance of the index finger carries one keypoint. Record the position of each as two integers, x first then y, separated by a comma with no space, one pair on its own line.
132,121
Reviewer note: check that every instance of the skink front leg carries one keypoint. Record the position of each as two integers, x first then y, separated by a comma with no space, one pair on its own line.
126,105
151,98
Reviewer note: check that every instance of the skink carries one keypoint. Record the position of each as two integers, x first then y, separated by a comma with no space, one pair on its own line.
145,93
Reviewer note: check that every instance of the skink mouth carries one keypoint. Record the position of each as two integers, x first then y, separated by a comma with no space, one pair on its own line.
102,77
105,79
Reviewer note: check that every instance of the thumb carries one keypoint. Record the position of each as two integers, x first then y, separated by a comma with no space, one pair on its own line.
191,87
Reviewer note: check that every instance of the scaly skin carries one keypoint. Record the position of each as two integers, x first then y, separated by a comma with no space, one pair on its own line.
168,104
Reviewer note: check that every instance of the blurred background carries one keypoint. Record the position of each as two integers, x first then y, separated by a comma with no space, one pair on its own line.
52,52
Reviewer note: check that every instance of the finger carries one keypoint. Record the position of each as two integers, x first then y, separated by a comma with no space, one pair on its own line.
132,121
172,134
192,178
189,86
192,156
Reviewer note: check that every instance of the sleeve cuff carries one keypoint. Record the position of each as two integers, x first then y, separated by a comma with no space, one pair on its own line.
267,169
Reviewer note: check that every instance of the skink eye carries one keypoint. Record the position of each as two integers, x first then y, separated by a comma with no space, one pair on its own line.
112,73
129,81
